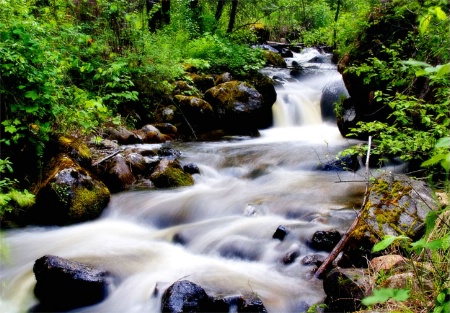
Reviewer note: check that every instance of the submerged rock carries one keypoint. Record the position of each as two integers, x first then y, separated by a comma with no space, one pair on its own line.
63,285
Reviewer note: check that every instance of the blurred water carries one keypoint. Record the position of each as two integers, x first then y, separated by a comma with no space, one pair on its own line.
217,233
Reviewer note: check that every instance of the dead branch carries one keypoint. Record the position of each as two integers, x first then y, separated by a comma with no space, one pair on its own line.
106,158
341,244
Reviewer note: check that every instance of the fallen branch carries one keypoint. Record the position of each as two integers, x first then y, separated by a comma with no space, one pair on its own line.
107,157
341,244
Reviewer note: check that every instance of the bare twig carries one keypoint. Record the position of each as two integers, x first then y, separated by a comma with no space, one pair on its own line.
107,157
338,248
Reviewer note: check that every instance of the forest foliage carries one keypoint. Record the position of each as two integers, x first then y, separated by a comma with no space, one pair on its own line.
74,66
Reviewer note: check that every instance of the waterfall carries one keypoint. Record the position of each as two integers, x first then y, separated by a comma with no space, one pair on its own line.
301,93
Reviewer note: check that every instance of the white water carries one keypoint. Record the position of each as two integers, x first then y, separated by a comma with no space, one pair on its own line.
247,188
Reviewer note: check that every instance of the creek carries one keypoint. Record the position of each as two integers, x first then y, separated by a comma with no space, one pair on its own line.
217,233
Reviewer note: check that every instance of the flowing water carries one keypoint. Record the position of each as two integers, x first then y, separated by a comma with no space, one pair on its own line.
217,233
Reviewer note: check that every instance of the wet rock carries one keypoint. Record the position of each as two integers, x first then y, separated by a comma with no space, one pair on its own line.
185,296
166,129
280,233
345,288
274,58
166,151
138,163
150,134
118,174
168,173
69,194
313,259
346,118
332,93
342,163
191,168
290,257
122,135
236,106
238,303
324,240
63,285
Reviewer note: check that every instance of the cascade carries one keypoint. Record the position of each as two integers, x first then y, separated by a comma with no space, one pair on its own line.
219,232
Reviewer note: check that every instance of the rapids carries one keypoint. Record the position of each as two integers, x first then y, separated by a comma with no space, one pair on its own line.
217,233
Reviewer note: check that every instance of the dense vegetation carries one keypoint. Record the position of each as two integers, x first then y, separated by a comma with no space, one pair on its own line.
75,66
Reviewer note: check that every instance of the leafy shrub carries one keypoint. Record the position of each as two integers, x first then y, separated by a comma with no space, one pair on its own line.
224,55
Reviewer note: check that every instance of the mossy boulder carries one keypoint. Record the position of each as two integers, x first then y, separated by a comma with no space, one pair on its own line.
237,106
274,59
198,112
397,205
70,194
76,148
169,173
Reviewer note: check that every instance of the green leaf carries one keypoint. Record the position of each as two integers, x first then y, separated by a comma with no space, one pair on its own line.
384,294
435,159
387,241
440,14
415,63
443,70
443,143
32,95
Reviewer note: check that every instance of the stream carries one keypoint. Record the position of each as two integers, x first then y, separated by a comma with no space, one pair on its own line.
219,232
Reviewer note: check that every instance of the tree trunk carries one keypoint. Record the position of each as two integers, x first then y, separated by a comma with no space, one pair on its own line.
219,10
234,5
336,16
160,17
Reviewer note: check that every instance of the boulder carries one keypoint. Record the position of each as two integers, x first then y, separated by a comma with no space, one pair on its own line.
196,111
345,287
150,134
202,82
341,163
324,240
117,174
185,296
191,168
236,105
122,135
168,173
69,194
332,93
63,285
397,205
77,149
274,58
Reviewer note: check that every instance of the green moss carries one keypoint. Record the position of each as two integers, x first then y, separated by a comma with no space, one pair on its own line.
172,177
88,203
